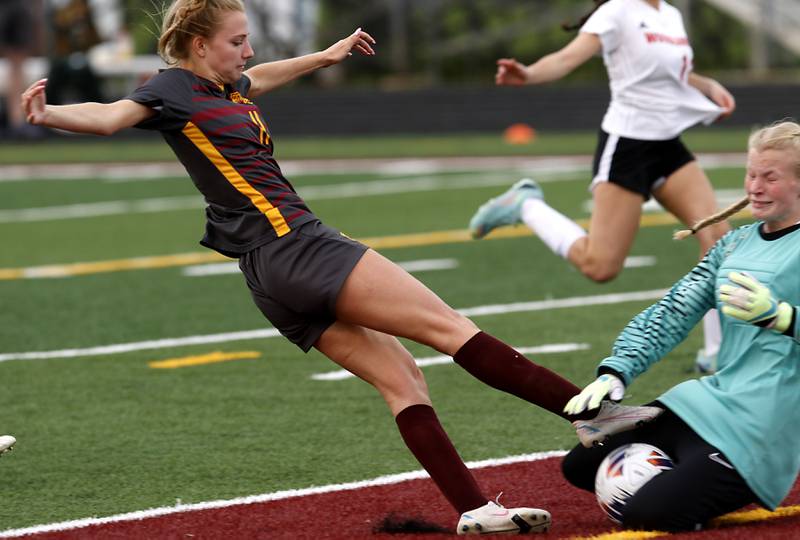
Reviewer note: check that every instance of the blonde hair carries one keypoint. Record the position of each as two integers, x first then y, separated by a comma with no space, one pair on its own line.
186,19
782,135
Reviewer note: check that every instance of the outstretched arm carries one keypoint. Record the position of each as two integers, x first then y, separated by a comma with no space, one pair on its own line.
549,68
271,75
93,118
715,92
654,332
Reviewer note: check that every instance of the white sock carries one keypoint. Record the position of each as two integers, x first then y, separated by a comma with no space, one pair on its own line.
555,229
712,333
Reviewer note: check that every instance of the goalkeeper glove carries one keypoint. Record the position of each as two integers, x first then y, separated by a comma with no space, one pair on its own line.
591,396
753,303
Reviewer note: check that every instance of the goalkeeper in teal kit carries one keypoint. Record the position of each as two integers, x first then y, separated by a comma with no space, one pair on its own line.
733,435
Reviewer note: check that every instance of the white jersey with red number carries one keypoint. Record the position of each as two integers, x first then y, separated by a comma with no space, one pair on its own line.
648,57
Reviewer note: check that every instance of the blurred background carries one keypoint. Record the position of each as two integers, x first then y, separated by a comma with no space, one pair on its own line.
433,72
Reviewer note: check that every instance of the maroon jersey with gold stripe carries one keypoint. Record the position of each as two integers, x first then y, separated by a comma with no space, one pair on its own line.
221,138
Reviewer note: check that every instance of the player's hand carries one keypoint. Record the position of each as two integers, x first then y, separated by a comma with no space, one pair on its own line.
34,102
357,41
752,302
510,73
720,95
605,385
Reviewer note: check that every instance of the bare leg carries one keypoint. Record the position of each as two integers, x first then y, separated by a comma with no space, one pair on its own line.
379,359
380,295
600,256
383,362
688,195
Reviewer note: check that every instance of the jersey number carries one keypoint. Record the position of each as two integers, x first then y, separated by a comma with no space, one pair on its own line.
263,135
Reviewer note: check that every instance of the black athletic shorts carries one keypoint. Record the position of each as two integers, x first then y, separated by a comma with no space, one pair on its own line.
638,166
295,280
701,486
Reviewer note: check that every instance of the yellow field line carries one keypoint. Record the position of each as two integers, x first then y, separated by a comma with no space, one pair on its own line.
99,267
210,358
759,514
378,242
623,535
728,520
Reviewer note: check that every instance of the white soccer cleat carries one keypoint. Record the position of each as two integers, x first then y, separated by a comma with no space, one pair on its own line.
492,518
611,419
7,443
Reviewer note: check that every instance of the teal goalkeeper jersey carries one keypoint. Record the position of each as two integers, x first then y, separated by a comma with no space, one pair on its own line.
749,409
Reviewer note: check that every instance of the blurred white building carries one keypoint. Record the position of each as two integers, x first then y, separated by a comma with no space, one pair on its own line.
283,28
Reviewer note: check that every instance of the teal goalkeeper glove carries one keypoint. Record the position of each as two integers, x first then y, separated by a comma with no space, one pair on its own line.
592,395
753,303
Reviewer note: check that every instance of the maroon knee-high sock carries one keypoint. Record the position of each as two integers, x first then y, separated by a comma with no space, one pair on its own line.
427,440
498,365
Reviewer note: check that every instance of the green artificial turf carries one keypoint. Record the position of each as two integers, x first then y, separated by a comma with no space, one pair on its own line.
107,434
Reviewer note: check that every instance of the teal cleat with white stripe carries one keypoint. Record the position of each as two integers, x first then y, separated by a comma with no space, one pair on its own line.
505,209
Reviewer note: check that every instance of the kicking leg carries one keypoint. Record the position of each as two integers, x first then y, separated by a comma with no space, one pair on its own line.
380,295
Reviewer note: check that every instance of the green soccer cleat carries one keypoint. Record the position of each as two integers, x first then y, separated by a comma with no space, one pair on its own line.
505,209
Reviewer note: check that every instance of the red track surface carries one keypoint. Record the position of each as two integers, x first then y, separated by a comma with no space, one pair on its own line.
355,513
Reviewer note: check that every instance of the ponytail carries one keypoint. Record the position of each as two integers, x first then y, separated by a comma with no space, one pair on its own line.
710,220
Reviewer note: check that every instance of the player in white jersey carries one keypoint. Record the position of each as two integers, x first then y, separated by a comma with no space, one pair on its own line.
655,96
732,435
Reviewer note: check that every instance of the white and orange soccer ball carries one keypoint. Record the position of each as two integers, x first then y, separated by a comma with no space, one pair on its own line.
623,472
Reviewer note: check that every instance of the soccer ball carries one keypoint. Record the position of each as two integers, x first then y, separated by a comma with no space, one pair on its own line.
623,472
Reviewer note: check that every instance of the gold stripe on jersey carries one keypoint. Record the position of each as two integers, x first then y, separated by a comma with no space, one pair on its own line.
264,134
236,180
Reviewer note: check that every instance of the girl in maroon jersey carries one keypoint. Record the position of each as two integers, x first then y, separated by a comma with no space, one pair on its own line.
318,287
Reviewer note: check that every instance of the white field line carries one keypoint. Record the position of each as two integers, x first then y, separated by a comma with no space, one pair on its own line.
310,193
121,348
267,497
218,269
132,172
128,172
639,261
342,374
495,309
104,208
543,169
422,265
577,301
